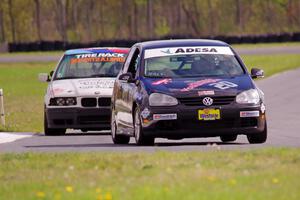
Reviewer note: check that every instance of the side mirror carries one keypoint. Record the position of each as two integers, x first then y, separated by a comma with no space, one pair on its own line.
257,73
127,77
43,77
51,73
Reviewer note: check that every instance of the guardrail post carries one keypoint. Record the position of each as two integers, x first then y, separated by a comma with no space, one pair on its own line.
2,115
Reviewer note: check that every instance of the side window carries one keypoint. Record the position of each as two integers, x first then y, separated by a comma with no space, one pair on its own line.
128,59
134,62
63,67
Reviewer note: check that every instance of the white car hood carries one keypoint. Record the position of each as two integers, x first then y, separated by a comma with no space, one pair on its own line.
82,87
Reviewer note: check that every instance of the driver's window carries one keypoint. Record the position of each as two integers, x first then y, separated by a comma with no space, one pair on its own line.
134,62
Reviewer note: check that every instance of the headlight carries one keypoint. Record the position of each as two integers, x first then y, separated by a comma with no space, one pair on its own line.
63,101
157,99
60,101
249,96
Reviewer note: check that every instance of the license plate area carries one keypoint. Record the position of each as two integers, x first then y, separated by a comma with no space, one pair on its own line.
208,114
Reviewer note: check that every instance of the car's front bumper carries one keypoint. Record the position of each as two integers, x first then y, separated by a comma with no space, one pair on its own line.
188,125
79,118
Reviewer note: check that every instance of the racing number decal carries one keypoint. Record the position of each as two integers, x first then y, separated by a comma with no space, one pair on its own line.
223,85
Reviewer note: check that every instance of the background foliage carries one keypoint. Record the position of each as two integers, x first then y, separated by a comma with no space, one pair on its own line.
91,20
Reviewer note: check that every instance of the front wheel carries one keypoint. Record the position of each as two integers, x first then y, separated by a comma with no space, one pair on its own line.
52,131
140,138
117,139
258,138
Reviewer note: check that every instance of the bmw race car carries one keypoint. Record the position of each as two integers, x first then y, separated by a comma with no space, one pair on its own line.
186,88
79,91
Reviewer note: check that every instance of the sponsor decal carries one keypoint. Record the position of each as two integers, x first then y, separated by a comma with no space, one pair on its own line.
206,92
223,85
94,84
249,113
151,53
171,116
57,91
197,84
100,55
166,51
97,59
145,113
162,81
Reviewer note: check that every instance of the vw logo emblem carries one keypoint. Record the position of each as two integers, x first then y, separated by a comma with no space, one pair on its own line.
207,101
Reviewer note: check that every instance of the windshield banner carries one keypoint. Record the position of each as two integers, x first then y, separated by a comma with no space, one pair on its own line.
98,57
151,53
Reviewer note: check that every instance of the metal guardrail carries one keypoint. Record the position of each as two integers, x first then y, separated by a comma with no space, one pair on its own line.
2,113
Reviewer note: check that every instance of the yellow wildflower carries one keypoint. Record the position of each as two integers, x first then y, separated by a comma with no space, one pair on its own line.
108,196
99,197
98,190
40,194
69,189
232,182
275,180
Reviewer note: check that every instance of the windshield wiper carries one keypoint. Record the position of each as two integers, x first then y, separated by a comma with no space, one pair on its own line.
69,77
102,75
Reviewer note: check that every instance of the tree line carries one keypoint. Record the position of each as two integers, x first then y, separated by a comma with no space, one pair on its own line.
93,20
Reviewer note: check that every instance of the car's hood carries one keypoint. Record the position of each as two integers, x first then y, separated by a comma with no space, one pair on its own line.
82,87
199,86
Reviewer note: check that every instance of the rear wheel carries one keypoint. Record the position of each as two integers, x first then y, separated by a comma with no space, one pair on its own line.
117,139
140,138
52,131
228,138
258,138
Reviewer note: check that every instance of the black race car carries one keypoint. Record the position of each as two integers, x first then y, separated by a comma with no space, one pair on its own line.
186,88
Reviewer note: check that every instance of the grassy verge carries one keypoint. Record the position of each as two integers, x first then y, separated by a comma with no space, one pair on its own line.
256,174
24,94
37,53
258,45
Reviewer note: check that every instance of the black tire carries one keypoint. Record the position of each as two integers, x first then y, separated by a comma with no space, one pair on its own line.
52,131
139,136
258,138
117,139
228,138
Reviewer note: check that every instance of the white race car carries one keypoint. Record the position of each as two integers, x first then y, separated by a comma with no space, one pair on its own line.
80,89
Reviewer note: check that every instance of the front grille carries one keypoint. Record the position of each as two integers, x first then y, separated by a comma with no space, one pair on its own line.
89,102
63,121
93,119
197,101
104,101
248,122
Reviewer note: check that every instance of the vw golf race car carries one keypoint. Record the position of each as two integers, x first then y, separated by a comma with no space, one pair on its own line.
79,91
186,88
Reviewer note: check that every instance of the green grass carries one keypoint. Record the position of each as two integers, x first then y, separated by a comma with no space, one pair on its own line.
24,94
258,45
37,53
272,64
256,174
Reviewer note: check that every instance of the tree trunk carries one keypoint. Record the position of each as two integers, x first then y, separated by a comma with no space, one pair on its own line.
12,21
38,19
150,18
238,14
61,20
2,31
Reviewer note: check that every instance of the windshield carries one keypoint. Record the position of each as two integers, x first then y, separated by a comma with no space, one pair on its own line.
192,65
90,66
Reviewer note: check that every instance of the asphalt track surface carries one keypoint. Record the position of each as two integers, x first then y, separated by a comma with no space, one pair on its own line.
241,51
282,94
